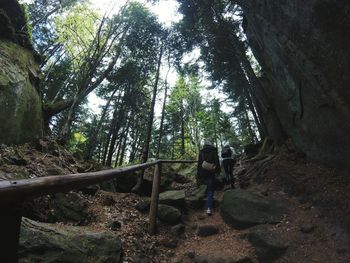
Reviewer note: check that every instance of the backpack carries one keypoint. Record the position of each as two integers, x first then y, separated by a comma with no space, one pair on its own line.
226,152
207,164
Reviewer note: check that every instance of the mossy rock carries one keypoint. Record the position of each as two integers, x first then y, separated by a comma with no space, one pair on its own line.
169,214
241,209
48,243
174,198
20,112
268,246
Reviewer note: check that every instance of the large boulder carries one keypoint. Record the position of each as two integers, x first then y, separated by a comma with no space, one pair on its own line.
21,115
242,209
48,243
174,198
169,214
268,246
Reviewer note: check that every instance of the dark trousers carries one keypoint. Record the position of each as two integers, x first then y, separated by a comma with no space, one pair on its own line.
210,191
228,167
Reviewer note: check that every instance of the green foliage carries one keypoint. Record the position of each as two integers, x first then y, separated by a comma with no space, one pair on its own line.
77,143
76,30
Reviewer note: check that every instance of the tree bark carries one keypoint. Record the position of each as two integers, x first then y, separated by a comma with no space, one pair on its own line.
92,143
145,152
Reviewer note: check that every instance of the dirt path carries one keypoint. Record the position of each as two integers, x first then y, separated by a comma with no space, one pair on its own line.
321,243
228,245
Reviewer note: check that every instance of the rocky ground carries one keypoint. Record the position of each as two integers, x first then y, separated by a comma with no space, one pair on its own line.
290,210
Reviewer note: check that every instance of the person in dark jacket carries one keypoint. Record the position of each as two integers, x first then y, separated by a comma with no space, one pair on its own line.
228,161
209,155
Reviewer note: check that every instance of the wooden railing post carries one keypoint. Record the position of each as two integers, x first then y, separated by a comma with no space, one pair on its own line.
154,199
10,226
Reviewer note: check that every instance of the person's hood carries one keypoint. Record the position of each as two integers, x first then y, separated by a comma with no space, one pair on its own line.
208,148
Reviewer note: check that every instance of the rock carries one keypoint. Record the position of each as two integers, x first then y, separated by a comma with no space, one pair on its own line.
174,198
48,243
191,254
114,225
201,217
90,190
177,230
169,214
69,207
241,209
220,259
207,230
268,246
165,182
18,160
21,115
54,170
106,199
169,243
108,186
143,206
125,182
307,228
341,250
195,199
179,178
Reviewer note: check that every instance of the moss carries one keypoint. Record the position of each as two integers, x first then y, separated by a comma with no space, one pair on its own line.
20,114
29,28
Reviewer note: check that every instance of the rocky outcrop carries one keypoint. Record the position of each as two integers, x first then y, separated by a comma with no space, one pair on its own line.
303,48
20,111
241,209
48,243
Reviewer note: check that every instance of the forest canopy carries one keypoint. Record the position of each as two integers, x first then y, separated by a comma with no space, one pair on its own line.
125,58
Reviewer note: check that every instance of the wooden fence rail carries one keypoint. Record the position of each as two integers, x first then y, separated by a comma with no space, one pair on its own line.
14,192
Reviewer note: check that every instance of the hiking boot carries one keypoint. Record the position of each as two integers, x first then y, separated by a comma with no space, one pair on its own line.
209,212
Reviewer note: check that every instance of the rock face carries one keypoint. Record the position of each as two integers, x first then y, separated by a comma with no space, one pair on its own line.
20,111
242,209
47,243
304,53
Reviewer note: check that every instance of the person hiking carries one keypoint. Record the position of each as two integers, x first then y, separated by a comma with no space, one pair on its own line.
208,166
228,161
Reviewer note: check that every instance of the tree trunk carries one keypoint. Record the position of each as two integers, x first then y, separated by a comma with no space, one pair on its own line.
145,152
183,150
118,124
123,145
92,143
162,118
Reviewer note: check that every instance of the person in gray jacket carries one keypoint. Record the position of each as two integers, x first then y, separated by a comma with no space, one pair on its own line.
228,162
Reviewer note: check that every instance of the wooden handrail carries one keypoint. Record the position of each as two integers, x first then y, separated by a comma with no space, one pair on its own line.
18,190
14,192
